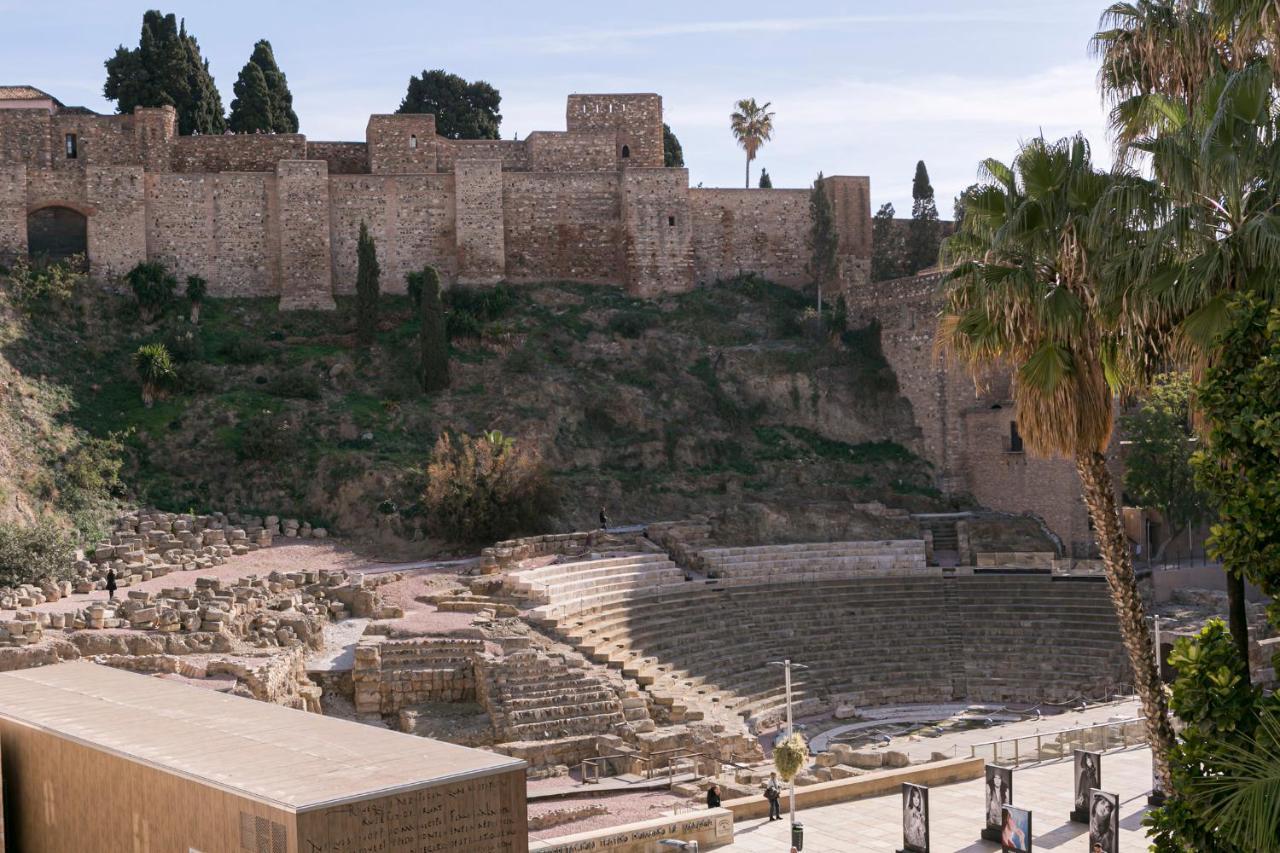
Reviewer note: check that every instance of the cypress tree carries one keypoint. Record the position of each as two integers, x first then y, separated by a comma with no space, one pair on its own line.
434,338
924,238
672,152
824,241
251,108
165,69
366,287
886,245
766,182
283,118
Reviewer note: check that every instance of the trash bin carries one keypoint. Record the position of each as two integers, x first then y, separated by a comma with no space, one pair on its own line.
797,836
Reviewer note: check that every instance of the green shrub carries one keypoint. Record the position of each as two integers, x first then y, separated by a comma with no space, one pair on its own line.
470,308
243,349
152,285
484,488
39,283
266,436
31,553
433,337
367,287
90,472
196,378
184,346
197,289
632,324
296,384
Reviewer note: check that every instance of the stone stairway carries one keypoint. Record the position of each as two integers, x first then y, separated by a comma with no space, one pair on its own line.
946,541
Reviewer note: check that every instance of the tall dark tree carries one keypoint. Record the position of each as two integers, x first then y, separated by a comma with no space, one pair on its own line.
886,245
251,108
283,118
924,238
672,153
165,69
367,273
434,337
961,203
824,240
463,110
766,182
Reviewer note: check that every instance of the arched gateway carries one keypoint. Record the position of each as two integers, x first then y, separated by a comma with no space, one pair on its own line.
56,233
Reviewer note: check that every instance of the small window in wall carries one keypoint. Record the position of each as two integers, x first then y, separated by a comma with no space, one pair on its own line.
71,146
671,222
413,141
1015,440
626,152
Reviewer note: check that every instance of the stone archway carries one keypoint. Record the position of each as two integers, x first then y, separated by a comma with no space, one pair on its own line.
56,233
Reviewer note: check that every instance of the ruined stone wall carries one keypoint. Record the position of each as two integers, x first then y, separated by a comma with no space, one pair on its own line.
24,138
584,151
481,251
245,152
402,144
566,226
302,196
760,231
514,155
658,230
13,213
636,120
344,158
411,218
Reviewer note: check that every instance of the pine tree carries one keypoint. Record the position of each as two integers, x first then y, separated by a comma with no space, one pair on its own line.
283,118
672,152
251,108
886,245
463,110
766,182
366,287
165,69
924,237
824,240
434,338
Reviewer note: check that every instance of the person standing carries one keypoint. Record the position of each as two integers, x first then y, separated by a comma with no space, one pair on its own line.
111,584
713,797
604,519
773,793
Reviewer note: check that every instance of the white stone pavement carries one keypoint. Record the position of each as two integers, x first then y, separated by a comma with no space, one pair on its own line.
957,814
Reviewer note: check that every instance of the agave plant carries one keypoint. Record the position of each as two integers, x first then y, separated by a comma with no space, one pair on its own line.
155,369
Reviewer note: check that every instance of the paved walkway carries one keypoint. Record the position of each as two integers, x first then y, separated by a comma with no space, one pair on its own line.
957,814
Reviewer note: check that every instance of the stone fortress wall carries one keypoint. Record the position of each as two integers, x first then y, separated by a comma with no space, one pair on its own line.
278,215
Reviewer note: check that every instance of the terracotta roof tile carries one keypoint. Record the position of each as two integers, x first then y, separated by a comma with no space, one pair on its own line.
24,93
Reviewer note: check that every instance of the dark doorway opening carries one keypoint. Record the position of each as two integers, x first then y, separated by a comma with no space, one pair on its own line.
57,233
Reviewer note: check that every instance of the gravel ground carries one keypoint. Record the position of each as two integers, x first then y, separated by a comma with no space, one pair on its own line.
420,618
623,808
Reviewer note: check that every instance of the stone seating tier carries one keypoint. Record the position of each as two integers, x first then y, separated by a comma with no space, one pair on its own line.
873,640
817,559
561,582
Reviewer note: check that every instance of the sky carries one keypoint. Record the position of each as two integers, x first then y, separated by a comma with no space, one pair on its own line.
857,88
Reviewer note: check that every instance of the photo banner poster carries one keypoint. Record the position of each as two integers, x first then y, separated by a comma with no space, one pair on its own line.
1015,830
915,818
1104,822
999,793
1088,775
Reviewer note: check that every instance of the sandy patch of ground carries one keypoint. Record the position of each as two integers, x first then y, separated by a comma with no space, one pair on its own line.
623,808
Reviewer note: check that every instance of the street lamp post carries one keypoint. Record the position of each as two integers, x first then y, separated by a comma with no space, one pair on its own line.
787,665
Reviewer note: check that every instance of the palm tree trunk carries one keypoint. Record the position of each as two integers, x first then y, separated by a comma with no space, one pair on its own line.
748,184
1239,621
1100,497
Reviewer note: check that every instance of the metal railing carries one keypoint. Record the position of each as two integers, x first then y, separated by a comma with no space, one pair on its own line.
1050,746
594,766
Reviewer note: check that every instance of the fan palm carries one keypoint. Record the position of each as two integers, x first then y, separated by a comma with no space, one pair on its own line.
1242,798
1206,228
752,126
1025,293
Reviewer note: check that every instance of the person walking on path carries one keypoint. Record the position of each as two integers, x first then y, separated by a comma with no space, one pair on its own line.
111,584
604,519
713,797
773,793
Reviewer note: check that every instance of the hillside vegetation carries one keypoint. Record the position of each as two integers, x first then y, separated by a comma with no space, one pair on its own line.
651,408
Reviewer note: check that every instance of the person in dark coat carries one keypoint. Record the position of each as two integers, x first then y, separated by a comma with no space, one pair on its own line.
773,793
713,797
604,519
111,584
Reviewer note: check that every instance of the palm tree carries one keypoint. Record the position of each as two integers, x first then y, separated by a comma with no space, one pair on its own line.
1025,294
1207,229
155,369
752,126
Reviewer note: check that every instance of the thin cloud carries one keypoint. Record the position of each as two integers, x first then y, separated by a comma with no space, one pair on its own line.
609,40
